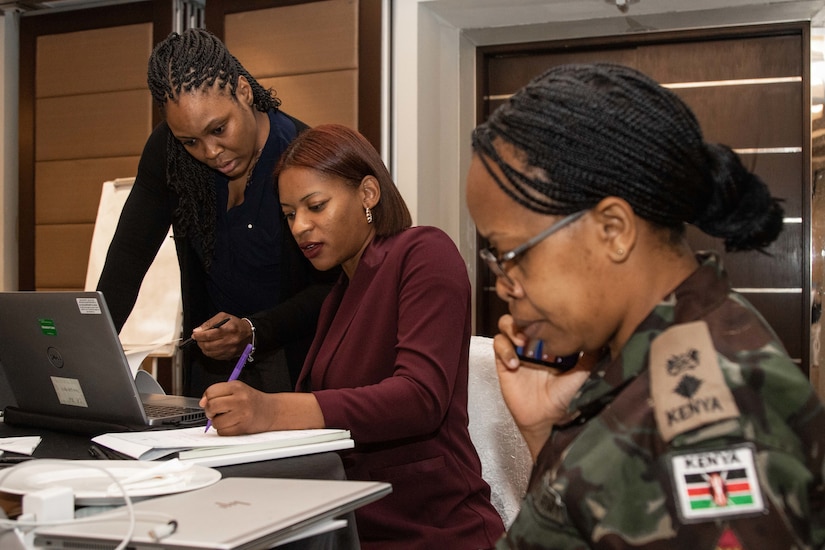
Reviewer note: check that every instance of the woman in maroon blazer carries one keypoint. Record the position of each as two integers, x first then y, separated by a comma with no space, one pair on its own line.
389,359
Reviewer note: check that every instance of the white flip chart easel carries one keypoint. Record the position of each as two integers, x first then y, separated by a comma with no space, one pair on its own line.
154,326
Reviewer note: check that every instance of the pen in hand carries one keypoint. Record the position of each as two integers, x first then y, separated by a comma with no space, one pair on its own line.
219,324
236,372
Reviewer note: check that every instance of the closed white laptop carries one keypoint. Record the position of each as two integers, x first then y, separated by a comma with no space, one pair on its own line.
67,370
233,514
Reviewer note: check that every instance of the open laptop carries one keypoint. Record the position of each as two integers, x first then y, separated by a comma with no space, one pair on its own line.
235,513
67,370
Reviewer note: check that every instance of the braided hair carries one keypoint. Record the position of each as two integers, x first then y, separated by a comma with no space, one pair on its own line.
182,63
587,131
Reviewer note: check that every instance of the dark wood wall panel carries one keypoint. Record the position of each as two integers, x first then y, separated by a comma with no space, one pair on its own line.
507,73
778,268
783,174
759,116
786,315
732,58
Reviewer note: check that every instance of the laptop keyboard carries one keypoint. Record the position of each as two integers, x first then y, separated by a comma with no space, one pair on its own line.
159,411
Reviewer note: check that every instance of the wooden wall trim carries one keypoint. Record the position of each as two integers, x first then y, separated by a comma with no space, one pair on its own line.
807,212
370,20
25,178
656,37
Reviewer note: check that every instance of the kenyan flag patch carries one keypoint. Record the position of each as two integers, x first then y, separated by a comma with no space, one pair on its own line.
715,484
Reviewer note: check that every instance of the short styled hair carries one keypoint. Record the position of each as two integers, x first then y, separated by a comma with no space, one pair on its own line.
338,151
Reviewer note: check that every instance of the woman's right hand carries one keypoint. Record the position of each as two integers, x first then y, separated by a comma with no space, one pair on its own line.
537,396
236,408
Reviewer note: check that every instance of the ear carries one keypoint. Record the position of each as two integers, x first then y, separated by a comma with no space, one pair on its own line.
244,91
370,191
617,226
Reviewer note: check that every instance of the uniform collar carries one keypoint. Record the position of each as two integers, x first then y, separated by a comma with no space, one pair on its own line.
704,290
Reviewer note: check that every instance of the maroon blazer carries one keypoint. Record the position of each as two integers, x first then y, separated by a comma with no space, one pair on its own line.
389,363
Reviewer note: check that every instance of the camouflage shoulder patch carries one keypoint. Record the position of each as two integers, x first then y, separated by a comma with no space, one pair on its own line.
714,484
686,382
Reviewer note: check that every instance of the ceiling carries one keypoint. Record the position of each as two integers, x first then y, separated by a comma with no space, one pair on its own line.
478,14
54,5
469,11
487,14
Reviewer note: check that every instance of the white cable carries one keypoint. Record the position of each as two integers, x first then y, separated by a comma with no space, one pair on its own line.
130,511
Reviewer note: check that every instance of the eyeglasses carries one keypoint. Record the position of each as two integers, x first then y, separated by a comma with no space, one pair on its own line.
496,262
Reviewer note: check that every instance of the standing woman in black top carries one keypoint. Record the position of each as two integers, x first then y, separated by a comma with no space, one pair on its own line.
207,171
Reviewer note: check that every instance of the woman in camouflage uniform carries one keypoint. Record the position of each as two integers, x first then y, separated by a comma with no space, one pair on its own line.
685,424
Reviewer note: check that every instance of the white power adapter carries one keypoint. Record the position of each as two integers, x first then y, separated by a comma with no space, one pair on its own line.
49,505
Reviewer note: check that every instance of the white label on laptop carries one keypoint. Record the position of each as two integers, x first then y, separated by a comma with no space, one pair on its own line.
69,391
88,306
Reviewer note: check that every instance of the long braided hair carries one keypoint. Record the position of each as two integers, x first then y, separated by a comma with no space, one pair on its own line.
587,131
181,63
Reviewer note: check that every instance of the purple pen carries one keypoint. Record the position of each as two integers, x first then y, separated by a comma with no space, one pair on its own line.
236,372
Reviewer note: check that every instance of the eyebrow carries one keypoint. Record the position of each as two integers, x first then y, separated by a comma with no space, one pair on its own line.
302,199
208,127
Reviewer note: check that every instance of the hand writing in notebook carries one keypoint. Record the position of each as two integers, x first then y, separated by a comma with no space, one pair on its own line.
236,372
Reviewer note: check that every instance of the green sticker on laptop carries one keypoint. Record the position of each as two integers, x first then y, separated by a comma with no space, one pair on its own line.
47,326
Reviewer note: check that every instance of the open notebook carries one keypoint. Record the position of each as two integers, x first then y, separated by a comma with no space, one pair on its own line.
66,368
233,514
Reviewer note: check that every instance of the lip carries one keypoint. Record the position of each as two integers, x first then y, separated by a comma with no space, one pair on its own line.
227,167
311,249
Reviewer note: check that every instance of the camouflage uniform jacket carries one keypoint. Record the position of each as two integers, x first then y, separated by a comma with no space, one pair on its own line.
749,480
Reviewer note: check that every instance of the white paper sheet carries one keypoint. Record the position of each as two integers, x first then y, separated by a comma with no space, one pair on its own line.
24,445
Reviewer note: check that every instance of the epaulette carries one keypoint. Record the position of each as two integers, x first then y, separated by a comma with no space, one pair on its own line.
686,381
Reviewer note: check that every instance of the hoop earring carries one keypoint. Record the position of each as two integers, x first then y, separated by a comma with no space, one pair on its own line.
368,212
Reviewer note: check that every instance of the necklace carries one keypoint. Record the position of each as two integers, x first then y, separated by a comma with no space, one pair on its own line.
254,164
